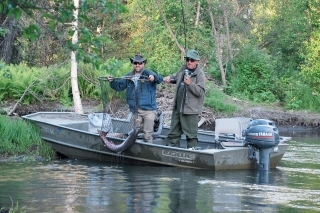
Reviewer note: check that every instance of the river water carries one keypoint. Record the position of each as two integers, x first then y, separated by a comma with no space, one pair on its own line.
84,186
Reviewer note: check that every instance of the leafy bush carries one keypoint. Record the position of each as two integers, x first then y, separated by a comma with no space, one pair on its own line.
302,96
255,76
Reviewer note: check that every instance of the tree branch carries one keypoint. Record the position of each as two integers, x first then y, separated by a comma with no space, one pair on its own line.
183,51
21,98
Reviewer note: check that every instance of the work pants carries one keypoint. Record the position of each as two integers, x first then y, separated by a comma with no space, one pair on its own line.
146,118
183,124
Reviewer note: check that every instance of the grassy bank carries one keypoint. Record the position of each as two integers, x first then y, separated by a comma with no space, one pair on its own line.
21,138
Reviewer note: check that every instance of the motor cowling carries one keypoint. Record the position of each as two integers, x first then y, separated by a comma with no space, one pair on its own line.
262,134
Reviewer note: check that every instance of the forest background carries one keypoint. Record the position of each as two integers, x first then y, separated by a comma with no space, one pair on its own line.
262,51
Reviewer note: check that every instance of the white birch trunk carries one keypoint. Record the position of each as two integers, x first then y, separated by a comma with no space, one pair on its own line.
74,65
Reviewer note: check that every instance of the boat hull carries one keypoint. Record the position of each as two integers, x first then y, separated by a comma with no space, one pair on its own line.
68,135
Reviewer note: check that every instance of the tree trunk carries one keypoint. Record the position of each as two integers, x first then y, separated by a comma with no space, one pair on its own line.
74,65
226,24
196,23
218,48
7,44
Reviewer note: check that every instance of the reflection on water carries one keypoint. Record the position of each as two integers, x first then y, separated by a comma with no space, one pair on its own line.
82,186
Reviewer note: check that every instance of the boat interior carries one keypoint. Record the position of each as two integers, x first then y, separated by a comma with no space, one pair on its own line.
228,131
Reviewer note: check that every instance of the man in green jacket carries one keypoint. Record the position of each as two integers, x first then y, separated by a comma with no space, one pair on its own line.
188,100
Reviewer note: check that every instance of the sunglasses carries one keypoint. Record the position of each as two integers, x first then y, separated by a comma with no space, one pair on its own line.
190,59
135,63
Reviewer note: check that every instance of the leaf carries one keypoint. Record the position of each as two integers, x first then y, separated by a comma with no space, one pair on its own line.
83,17
16,12
102,38
32,32
3,31
48,15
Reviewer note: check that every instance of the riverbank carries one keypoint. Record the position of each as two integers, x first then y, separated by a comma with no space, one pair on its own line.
288,119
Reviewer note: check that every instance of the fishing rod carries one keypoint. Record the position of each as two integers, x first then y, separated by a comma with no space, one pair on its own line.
128,77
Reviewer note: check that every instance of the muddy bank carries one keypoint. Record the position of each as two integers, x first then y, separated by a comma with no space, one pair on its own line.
282,118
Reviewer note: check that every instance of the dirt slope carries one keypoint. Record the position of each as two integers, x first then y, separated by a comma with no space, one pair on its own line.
164,99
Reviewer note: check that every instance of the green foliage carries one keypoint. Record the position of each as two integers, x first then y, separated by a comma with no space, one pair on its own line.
217,100
112,31
65,98
282,26
58,14
304,94
16,209
34,83
150,36
15,80
32,32
115,68
301,96
3,31
310,70
255,76
54,83
20,137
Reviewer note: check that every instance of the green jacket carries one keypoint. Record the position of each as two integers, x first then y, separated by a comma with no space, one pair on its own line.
194,93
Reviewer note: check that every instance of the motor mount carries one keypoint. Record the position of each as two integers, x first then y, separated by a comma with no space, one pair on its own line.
261,136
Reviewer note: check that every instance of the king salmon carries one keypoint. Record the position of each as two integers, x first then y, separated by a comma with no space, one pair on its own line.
126,144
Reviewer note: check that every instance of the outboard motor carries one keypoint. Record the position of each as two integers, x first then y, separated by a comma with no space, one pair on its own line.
261,136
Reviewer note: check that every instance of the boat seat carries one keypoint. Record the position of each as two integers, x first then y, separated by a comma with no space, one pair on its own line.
231,126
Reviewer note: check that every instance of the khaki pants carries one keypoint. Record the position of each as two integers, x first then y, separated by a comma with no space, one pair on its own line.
146,118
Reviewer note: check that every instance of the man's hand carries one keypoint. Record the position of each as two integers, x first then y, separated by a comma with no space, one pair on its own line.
166,79
110,78
187,81
151,78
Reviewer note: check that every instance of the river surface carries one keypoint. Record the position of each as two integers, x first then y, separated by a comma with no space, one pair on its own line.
70,186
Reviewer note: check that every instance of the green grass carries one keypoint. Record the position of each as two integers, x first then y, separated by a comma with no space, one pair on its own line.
218,101
15,209
19,137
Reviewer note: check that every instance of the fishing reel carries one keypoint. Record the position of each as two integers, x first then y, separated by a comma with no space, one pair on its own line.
187,74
